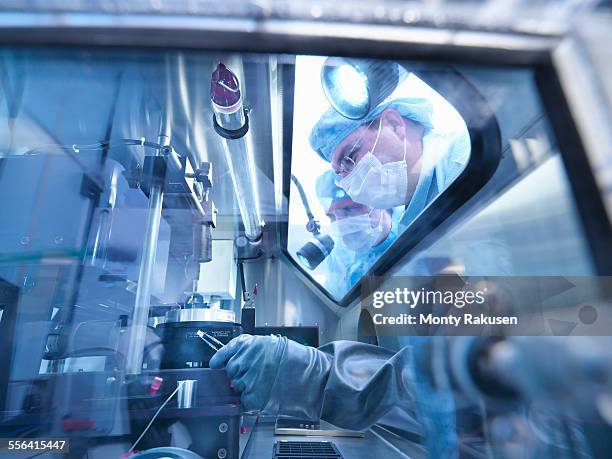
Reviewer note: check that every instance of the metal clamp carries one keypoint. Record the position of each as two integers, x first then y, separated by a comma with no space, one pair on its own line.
235,134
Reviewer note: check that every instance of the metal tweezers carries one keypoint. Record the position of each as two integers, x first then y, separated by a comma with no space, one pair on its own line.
210,340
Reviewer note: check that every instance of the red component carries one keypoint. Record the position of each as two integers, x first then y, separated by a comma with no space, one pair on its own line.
224,87
155,385
243,430
128,454
70,425
256,290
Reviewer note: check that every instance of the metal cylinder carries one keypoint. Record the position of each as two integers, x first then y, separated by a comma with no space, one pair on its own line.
186,396
200,315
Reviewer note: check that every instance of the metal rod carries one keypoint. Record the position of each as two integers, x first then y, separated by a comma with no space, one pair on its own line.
208,343
210,340
214,340
145,278
147,262
276,123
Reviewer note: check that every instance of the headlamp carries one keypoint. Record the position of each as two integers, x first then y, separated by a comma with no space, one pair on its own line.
355,86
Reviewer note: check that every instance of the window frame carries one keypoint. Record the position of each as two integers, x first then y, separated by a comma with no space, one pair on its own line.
485,155
287,35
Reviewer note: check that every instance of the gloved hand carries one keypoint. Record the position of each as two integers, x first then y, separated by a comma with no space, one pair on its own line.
252,363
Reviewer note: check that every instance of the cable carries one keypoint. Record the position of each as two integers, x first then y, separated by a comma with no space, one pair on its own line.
303,197
142,142
155,416
313,225
242,281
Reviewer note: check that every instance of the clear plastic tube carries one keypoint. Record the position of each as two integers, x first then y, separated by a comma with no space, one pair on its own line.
226,99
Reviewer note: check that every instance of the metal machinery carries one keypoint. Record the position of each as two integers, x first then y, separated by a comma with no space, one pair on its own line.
154,206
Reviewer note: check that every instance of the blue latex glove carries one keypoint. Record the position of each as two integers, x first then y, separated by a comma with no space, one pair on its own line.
252,363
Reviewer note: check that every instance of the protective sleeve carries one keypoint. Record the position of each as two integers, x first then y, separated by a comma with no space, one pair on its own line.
349,384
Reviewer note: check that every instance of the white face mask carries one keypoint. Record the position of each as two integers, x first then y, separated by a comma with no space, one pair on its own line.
356,233
381,186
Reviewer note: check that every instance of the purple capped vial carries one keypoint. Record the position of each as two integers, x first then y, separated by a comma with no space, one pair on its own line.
224,87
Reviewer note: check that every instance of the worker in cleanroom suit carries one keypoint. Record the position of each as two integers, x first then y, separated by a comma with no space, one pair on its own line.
393,159
361,234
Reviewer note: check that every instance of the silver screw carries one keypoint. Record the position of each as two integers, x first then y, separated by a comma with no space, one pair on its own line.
222,453
223,427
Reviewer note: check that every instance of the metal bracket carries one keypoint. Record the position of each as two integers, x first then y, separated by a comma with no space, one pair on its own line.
247,249
232,135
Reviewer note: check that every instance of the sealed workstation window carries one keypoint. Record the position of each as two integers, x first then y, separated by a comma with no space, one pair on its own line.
373,146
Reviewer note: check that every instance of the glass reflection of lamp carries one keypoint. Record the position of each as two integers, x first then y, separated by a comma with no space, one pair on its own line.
320,246
355,86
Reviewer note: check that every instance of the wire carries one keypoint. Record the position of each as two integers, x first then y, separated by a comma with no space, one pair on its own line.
303,197
155,416
75,148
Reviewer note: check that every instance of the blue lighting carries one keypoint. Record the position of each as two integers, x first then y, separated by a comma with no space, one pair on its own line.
352,85
346,88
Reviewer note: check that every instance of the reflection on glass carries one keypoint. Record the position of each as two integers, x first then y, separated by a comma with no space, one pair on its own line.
371,177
